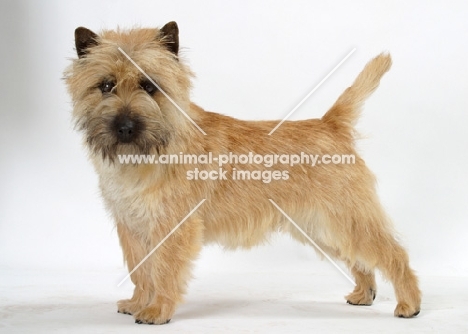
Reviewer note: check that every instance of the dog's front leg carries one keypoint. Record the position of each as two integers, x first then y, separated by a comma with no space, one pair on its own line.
134,250
170,270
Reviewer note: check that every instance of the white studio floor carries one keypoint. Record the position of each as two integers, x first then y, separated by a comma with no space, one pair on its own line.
275,301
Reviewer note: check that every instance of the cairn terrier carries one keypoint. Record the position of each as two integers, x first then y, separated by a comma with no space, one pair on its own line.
124,110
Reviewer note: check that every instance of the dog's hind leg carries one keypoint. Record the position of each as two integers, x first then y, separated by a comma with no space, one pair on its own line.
395,266
374,246
366,289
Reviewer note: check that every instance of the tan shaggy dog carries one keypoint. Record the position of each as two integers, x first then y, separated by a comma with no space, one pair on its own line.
120,111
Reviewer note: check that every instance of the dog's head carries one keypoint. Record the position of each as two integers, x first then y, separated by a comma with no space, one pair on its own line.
122,85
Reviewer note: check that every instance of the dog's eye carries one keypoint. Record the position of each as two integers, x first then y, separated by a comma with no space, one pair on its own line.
148,87
106,86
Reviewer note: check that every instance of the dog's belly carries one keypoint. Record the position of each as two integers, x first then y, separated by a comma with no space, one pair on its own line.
247,227
234,234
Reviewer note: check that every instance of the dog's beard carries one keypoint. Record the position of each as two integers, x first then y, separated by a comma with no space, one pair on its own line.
153,137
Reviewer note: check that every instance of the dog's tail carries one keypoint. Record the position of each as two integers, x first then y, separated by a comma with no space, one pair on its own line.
345,112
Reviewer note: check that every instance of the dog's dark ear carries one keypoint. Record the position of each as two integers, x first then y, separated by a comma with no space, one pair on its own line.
169,35
84,39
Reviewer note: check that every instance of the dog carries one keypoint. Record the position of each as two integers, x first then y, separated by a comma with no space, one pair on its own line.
131,96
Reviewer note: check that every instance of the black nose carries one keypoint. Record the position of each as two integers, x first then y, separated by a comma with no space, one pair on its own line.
125,128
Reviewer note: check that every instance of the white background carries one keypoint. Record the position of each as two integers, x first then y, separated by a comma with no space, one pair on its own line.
253,60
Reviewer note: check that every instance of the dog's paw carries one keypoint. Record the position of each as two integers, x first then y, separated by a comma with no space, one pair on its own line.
127,306
363,297
403,310
154,315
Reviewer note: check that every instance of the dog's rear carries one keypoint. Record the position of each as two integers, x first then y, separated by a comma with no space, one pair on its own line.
369,232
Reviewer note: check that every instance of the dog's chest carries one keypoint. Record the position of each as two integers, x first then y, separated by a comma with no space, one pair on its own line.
130,200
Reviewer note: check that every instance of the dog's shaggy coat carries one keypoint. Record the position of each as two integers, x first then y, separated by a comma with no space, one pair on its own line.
336,205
